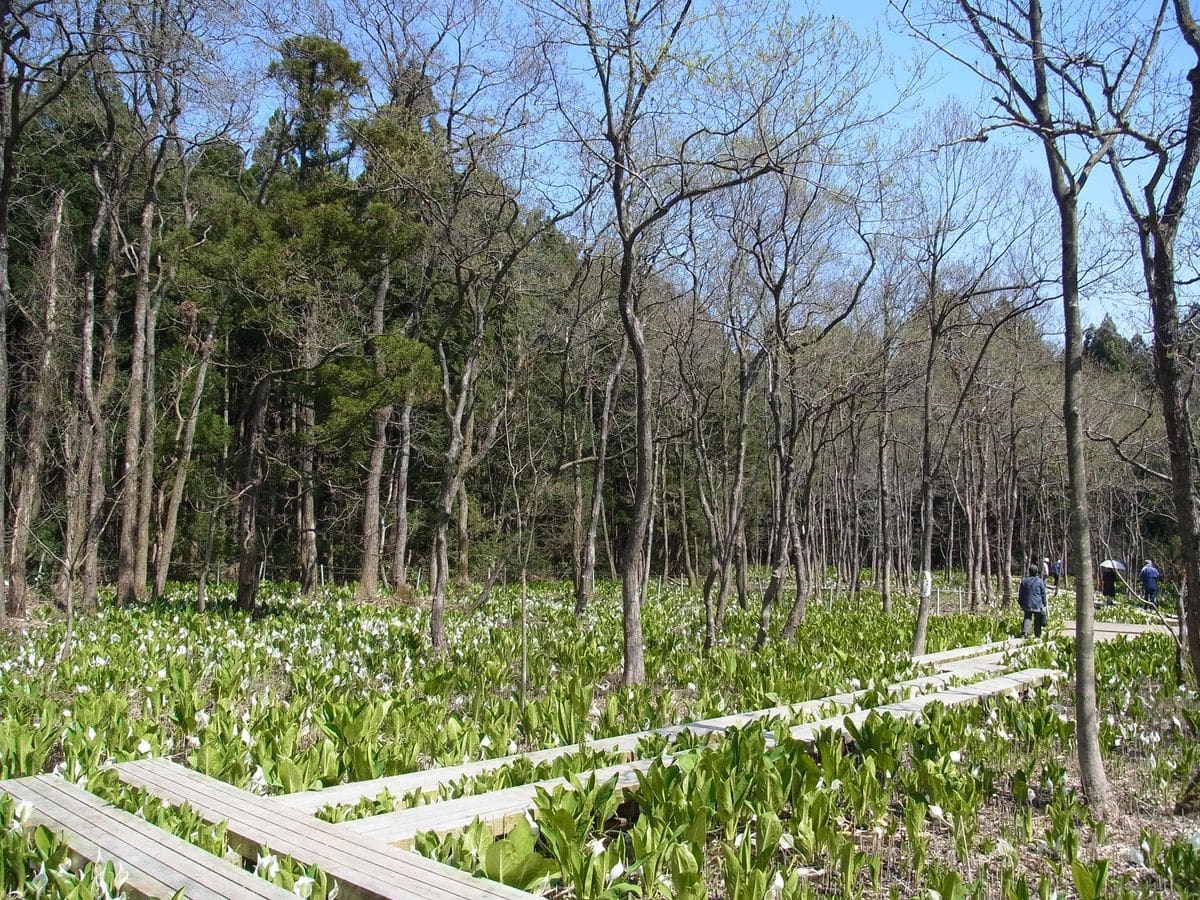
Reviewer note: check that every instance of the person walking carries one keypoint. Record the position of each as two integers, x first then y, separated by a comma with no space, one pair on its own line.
1031,597
1056,571
1108,584
1150,577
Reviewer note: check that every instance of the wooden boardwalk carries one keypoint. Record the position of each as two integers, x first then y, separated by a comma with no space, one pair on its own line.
499,810
361,857
960,653
360,867
956,664
1107,631
157,863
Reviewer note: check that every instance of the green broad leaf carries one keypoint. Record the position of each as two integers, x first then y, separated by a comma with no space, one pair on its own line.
286,773
43,840
522,836
504,862
478,838
1089,880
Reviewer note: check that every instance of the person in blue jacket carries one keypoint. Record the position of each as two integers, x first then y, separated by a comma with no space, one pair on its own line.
1031,597
1150,577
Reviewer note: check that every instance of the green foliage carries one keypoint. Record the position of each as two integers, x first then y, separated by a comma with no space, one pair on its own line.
34,862
355,386
318,692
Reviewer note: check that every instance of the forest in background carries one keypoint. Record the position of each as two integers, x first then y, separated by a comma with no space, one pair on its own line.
456,291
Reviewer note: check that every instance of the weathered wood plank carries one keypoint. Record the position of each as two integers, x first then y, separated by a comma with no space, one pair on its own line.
498,810
158,863
1107,631
361,868
957,653
971,693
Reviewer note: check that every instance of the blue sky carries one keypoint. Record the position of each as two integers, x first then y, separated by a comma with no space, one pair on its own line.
944,79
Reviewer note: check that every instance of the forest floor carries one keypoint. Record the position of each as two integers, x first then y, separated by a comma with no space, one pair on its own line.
325,691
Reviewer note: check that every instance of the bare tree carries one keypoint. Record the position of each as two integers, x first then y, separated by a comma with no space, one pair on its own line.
35,411
42,50
659,137
1171,151
1042,85
966,229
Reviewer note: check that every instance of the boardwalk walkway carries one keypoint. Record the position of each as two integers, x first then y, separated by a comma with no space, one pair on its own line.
365,857
157,863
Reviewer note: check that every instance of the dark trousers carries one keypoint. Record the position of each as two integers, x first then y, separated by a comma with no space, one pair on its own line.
1037,619
1151,594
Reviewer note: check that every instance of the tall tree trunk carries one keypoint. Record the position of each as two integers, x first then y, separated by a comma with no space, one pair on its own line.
400,543
609,554
27,474
922,628
185,441
306,512
684,531
372,521
633,557
652,522
885,548
128,586
8,140
85,488
576,512
254,433
1172,388
439,564
147,451
462,545
804,585
587,580
1087,725
97,396
77,460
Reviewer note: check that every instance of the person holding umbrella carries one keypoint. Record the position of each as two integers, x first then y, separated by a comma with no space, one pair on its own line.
1108,579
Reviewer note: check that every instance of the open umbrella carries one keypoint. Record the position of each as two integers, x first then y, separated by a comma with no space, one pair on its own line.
1113,564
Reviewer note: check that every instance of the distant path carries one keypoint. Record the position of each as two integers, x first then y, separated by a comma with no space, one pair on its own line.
1107,631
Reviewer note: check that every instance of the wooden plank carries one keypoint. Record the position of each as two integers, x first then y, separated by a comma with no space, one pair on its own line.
498,810
158,863
979,665
971,693
957,653
1110,630
361,868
